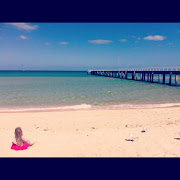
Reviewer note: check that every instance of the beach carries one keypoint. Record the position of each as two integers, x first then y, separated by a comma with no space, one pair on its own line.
94,133
75,94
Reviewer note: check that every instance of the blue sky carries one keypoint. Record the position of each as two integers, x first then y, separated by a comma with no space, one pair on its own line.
82,46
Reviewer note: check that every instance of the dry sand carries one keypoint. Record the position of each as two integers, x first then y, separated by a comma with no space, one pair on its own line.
94,133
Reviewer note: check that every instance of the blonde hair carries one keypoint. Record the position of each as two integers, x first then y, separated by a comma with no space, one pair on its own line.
18,136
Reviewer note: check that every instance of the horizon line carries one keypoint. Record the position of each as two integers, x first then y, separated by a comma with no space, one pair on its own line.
42,70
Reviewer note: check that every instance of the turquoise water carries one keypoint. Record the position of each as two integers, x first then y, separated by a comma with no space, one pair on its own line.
47,89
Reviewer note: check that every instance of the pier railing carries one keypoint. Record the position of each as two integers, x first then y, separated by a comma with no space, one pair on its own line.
142,69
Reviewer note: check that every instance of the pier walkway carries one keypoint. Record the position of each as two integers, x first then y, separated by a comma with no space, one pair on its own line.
142,74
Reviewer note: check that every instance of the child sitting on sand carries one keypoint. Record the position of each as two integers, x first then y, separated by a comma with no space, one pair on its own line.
20,143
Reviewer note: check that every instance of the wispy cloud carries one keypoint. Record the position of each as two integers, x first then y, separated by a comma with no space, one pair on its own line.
1,38
155,38
133,36
24,26
171,44
63,43
160,45
123,40
138,38
100,41
23,37
47,43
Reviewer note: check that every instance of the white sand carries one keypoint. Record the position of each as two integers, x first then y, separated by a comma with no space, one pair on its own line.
94,133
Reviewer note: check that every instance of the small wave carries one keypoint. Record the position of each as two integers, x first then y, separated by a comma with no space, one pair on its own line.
139,106
89,107
37,109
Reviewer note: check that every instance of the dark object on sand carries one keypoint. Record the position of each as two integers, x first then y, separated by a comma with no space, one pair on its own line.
143,131
177,138
129,139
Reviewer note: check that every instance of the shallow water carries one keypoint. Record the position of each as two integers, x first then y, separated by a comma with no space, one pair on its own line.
77,90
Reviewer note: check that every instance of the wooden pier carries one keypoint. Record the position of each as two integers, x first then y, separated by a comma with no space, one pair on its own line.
143,74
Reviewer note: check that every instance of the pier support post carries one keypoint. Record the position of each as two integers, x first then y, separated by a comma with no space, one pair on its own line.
147,76
141,77
152,77
159,78
121,75
136,76
170,77
164,78
176,78
133,76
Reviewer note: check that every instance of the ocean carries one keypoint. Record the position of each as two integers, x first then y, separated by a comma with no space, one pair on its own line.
72,90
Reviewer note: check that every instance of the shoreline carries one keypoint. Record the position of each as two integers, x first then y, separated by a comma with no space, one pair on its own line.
87,107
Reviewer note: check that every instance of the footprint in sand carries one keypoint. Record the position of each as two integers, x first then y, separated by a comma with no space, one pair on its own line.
35,126
46,129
